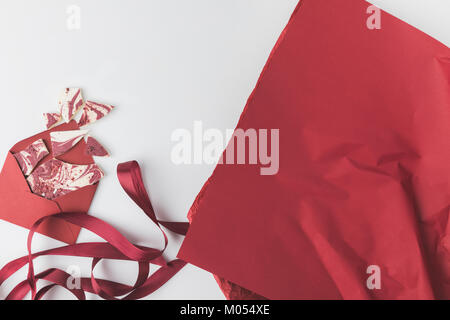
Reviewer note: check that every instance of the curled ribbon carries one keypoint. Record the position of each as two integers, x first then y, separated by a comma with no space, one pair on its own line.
116,247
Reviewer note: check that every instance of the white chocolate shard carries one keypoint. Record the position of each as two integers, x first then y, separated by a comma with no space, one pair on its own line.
70,103
63,141
31,156
56,178
51,120
94,148
93,111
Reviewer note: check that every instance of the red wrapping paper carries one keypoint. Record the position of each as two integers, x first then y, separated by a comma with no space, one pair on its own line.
364,119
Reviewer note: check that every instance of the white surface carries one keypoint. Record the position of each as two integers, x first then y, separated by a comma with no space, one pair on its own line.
164,64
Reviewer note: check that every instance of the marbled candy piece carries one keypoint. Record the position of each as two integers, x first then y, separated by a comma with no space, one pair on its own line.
63,141
56,178
30,157
51,119
70,102
94,148
93,111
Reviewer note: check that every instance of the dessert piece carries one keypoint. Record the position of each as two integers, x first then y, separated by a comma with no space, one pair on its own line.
30,157
63,141
70,102
93,111
52,119
94,148
56,178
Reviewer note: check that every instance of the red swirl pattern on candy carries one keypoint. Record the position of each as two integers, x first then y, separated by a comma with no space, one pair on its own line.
30,157
52,119
63,141
94,148
70,103
56,178
94,111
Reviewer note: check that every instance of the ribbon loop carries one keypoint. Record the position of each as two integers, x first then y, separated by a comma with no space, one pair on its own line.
116,247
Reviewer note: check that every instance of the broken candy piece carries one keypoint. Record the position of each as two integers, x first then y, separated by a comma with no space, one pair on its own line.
56,178
30,157
63,141
52,119
94,148
93,111
70,102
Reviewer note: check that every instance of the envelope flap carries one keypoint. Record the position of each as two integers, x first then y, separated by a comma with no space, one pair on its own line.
11,177
23,208
77,201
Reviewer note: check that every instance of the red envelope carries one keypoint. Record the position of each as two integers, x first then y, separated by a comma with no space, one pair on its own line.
20,206
364,120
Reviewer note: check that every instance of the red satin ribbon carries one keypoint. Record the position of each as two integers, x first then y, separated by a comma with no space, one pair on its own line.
116,247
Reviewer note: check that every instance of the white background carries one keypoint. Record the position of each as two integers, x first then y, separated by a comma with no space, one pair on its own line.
164,64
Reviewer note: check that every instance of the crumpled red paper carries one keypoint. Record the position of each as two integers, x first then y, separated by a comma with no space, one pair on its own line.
364,120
